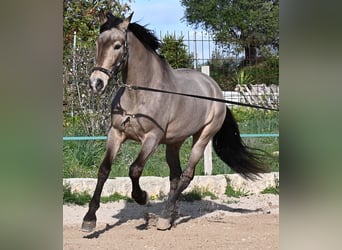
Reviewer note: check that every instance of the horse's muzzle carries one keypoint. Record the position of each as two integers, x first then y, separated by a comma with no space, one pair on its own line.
97,86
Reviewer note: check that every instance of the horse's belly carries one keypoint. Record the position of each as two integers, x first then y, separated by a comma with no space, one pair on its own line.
180,130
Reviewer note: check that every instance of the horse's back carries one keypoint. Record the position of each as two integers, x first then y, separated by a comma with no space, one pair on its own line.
197,82
188,114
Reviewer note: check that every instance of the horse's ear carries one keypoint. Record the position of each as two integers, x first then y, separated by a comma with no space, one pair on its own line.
126,22
102,17
130,17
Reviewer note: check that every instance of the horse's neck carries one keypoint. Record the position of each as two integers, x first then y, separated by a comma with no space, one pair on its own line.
144,67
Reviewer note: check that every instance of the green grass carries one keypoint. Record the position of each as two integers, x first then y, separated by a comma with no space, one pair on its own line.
271,190
84,198
198,193
77,163
230,192
115,197
82,158
75,198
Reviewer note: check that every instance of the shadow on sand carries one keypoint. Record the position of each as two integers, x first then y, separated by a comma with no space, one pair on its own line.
187,210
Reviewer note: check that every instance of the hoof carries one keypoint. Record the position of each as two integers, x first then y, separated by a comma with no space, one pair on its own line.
88,226
163,224
143,199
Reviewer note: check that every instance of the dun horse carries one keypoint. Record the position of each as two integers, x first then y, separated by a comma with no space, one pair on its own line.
153,118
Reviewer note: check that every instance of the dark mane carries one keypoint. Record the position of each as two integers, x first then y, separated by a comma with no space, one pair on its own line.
145,36
112,21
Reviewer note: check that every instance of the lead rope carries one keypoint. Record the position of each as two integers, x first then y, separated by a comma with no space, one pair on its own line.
135,87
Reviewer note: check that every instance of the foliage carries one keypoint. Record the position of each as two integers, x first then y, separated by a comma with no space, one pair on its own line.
115,197
271,189
256,121
242,77
230,192
76,198
174,50
84,198
241,24
81,16
89,113
197,193
266,72
222,69
82,158
86,114
228,71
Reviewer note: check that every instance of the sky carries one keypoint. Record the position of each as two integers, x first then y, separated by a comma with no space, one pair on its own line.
164,17
160,15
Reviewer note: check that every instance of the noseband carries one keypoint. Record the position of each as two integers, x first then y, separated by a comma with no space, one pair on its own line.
116,67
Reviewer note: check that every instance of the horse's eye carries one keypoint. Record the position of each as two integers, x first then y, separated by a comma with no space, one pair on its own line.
117,46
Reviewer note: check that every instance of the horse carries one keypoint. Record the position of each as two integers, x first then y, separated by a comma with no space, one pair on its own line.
154,118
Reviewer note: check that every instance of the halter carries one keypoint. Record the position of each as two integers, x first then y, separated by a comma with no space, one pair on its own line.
116,67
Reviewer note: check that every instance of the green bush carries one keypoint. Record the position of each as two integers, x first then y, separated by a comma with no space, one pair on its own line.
175,52
256,121
222,71
227,72
243,77
266,72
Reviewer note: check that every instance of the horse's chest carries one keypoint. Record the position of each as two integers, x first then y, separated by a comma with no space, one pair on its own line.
128,124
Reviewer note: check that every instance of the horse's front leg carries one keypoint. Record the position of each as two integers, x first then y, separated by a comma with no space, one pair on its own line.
114,142
149,145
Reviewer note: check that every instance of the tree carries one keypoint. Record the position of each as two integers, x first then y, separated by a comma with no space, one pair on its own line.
81,16
247,25
79,105
175,52
222,68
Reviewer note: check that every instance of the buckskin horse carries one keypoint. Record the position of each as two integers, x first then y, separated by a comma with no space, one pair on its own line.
154,118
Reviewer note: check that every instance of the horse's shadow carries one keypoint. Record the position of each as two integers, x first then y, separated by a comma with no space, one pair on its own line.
187,210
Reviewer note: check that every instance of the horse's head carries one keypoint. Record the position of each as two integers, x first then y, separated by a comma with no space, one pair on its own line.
111,50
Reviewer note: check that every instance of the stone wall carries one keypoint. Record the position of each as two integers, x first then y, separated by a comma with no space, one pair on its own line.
159,186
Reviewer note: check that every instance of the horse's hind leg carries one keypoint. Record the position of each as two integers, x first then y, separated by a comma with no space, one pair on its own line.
149,145
172,158
199,143
113,144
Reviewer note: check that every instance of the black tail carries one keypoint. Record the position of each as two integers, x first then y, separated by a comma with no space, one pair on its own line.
229,146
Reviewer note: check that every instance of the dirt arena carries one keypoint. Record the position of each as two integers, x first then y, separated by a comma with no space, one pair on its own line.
250,222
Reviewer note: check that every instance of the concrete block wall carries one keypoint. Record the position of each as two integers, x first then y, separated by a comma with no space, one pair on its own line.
160,185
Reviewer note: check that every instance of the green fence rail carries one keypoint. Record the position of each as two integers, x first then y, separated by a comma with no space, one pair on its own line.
93,138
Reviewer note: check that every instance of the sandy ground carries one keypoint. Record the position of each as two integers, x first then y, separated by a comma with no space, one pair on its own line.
250,222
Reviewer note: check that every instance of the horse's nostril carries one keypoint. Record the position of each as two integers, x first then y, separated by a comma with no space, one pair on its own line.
99,84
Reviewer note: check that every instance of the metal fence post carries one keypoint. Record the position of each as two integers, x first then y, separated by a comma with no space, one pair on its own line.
208,163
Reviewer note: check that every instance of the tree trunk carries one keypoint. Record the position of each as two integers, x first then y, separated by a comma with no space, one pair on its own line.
250,55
